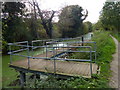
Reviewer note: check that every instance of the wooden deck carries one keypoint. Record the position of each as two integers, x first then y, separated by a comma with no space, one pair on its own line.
68,68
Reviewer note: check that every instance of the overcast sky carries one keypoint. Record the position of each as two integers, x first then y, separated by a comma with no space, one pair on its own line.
93,6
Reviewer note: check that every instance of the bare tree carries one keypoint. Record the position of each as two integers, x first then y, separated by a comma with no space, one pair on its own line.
46,18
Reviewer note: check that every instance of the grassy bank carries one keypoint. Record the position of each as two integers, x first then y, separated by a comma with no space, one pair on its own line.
9,75
116,35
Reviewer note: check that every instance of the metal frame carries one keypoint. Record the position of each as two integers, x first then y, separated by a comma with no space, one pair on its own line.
16,51
77,42
55,51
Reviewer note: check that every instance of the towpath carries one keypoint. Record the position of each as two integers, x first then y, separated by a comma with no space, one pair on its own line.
115,67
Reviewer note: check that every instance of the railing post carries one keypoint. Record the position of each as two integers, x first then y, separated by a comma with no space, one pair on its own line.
91,62
95,52
54,60
32,48
63,46
22,78
28,56
43,45
57,45
67,46
46,49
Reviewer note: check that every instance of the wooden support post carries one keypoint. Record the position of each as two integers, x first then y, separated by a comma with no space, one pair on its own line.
22,78
91,69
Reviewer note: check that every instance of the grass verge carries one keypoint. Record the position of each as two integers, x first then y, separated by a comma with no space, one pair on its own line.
116,35
9,75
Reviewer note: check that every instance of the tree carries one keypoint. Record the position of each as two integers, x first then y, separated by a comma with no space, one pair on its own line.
70,21
46,18
110,16
87,27
12,22
98,25
32,17
13,26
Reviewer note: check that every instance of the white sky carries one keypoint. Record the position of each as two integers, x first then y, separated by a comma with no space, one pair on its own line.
93,6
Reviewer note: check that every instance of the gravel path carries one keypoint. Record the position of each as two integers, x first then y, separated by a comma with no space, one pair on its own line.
114,67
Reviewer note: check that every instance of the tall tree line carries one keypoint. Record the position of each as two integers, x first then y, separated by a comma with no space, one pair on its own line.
110,17
19,23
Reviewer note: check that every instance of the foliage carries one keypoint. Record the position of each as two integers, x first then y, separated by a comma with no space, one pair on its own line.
56,32
87,27
98,26
70,21
46,18
13,9
110,16
105,47
18,26
116,35
12,23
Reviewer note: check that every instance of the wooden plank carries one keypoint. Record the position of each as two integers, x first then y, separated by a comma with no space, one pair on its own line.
86,69
62,67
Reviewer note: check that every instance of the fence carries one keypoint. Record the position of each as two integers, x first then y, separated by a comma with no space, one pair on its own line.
57,48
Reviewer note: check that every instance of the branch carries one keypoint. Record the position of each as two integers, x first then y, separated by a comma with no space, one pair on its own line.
40,13
30,3
85,16
53,12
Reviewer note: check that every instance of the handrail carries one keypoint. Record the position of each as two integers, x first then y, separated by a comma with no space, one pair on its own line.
55,49
17,42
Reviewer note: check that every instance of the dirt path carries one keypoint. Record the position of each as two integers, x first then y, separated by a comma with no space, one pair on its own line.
114,67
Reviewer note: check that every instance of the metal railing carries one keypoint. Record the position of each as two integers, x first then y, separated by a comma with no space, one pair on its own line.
56,49
11,52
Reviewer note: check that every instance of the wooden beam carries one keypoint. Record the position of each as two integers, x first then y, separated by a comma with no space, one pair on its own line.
22,78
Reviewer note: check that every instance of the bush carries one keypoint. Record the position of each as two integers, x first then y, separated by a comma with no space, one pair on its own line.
4,47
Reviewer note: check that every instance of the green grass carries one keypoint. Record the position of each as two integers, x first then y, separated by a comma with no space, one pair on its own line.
116,35
9,74
105,49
